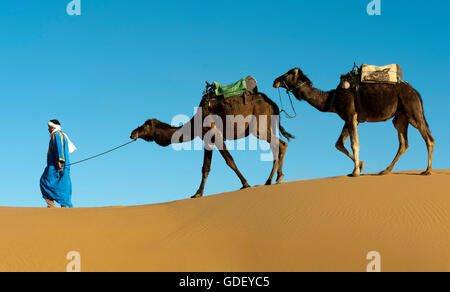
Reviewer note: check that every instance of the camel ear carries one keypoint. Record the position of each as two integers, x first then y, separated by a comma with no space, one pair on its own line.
207,84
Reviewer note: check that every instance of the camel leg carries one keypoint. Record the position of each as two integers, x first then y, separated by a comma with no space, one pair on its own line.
401,123
430,146
278,148
429,140
230,162
353,131
340,145
276,158
273,141
283,148
205,172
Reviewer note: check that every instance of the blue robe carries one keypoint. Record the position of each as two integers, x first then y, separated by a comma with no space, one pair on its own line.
56,185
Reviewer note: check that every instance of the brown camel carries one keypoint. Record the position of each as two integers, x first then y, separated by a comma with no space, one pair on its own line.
374,103
261,119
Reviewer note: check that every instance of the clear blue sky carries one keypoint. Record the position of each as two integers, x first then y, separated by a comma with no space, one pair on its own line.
105,72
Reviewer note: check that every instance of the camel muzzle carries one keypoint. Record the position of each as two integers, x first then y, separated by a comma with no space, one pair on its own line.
277,84
134,135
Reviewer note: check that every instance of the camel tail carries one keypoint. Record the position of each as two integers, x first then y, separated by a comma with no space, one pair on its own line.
286,134
423,113
276,110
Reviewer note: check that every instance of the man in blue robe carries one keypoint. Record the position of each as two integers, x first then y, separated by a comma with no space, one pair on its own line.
55,182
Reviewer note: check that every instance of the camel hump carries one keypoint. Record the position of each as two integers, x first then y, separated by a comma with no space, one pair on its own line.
381,74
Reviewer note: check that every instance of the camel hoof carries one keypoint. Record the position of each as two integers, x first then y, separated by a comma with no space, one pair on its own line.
280,179
426,173
361,166
245,187
385,172
196,196
269,183
353,174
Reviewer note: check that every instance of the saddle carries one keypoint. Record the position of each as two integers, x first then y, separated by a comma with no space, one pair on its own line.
390,74
243,88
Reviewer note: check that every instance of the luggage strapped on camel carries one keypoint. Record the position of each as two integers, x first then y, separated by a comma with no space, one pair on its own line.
245,86
370,74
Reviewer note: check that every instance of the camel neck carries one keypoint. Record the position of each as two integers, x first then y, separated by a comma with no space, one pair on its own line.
321,100
163,136
168,135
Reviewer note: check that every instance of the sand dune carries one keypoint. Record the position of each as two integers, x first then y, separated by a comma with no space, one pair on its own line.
321,225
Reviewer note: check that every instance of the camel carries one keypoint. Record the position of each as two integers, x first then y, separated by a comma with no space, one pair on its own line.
374,103
261,120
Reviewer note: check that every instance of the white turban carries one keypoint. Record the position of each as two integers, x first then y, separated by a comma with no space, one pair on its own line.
57,128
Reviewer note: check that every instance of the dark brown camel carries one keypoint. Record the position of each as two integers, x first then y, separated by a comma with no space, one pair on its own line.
261,119
375,103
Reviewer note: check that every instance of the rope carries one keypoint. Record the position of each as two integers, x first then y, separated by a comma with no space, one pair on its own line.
292,105
101,154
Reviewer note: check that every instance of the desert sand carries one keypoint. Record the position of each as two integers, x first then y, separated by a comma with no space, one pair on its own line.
320,225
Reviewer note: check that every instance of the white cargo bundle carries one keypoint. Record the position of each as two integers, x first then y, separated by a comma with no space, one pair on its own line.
385,74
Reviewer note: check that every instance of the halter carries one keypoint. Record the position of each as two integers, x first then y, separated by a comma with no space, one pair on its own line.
297,87
288,91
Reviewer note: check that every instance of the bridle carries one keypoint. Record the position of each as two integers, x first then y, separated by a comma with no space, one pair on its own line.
297,87
289,91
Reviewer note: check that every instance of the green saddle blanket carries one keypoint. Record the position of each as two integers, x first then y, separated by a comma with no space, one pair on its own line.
235,89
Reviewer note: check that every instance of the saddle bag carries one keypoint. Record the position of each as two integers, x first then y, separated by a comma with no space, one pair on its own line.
385,74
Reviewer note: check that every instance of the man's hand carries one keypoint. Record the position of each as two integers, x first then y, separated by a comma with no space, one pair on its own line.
60,166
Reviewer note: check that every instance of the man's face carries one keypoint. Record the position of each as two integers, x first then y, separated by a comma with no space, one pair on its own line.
50,129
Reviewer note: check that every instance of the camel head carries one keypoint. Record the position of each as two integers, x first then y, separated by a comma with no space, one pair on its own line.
292,80
146,131
209,91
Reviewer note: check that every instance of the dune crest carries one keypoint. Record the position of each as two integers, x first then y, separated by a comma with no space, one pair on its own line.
320,225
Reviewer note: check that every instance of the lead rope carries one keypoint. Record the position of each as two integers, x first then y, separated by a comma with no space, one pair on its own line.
101,154
292,105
